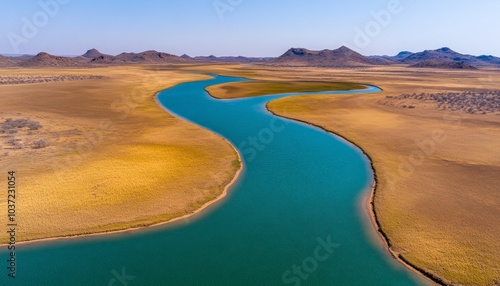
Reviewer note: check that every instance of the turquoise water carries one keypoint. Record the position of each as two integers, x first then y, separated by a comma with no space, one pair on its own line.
296,203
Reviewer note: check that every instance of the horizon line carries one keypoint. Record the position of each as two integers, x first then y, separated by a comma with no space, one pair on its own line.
239,55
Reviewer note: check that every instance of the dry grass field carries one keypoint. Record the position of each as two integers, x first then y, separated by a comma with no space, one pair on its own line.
94,152
438,194
255,88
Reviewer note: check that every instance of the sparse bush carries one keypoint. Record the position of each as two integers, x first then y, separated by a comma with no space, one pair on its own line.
15,143
24,79
33,125
11,124
473,102
40,144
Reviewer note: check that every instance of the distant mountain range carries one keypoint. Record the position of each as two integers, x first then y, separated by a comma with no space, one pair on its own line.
447,64
46,60
239,59
345,57
448,54
342,57
147,57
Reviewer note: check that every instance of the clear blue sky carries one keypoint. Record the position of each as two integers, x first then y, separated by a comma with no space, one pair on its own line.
249,27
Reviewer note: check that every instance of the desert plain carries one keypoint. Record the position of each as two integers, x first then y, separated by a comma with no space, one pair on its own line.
98,154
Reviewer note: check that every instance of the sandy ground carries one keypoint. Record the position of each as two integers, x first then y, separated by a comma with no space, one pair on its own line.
110,157
437,199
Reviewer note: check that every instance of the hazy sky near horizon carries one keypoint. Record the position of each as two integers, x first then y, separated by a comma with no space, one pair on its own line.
248,27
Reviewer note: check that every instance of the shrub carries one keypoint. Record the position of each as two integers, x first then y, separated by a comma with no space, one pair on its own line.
40,144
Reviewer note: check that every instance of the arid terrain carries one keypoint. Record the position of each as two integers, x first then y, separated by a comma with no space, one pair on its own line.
437,162
232,142
96,153
432,135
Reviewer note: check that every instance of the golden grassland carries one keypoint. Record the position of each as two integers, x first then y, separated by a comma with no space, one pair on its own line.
438,196
255,88
115,159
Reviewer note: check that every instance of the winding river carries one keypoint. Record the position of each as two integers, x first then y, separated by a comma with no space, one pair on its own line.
292,218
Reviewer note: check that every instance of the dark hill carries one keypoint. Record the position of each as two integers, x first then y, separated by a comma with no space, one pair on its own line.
147,57
444,64
46,60
238,59
92,54
341,57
